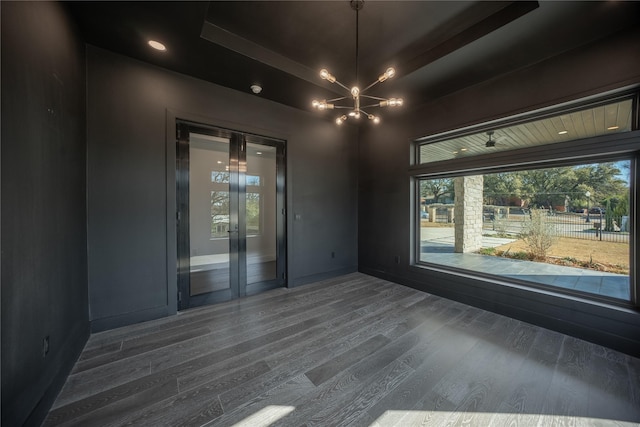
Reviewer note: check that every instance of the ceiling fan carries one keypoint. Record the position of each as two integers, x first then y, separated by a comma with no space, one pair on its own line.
495,139
490,142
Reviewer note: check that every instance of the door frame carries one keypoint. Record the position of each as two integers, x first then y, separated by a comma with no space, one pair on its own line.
237,241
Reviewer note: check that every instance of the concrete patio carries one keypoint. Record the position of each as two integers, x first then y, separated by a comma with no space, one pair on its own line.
437,246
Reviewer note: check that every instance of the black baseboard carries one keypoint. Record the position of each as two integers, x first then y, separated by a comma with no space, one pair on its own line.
299,281
99,325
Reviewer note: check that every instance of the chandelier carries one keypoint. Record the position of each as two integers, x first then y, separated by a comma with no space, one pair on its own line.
355,93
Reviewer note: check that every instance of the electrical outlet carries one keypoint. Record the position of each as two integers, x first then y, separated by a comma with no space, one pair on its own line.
45,346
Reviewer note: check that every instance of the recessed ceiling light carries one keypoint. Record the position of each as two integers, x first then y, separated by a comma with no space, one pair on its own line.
219,162
612,127
562,132
259,153
256,89
157,45
463,149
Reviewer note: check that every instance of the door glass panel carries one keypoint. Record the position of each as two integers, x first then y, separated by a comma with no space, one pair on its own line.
261,212
209,213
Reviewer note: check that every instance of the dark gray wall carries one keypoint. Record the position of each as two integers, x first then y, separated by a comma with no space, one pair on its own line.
44,262
131,236
385,198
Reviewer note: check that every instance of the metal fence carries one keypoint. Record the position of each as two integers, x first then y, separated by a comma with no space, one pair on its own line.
589,226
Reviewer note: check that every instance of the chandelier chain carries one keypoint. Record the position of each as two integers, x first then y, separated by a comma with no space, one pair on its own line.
357,44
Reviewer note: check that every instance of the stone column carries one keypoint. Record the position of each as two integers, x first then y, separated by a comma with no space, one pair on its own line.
468,213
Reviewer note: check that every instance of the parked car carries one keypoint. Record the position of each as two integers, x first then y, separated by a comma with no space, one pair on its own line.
424,215
597,211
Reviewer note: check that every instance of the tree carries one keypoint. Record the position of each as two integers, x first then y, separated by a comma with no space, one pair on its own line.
603,180
500,187
552,186
436,188
219,205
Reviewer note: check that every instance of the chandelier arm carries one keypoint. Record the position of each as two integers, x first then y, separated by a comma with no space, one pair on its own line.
368,106
337,99
373,97
342,106
371,85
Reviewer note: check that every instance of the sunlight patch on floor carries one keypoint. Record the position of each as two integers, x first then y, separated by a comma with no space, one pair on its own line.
445,418
266,416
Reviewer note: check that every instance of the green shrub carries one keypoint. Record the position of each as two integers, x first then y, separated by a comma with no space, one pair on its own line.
487,251
539,234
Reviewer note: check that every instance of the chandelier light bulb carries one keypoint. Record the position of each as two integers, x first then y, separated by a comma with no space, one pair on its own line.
376,120
355,91
387,74
315,103
327,76
390,72
325,106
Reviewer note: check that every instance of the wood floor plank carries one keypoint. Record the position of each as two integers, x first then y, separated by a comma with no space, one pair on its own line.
141,345
102,407
525,395
100,350
252,412
610,393
231,308
291,345
193,407
300,357
91,403
85,384
330,368
374,354
438,354
633,369
464,384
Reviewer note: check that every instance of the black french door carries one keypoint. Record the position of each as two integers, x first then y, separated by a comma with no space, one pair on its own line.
231,214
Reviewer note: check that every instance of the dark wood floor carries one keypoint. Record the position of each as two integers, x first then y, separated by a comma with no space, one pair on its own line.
354,351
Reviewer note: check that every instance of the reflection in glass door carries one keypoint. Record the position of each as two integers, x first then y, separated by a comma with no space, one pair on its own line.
231,222
260,207
209,213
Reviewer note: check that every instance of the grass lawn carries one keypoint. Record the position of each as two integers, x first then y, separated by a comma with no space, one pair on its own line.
603,256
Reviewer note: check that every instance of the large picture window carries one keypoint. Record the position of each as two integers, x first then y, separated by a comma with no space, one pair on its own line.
566,227
561,218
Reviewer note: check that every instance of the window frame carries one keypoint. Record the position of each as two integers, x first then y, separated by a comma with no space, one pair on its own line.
603,148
